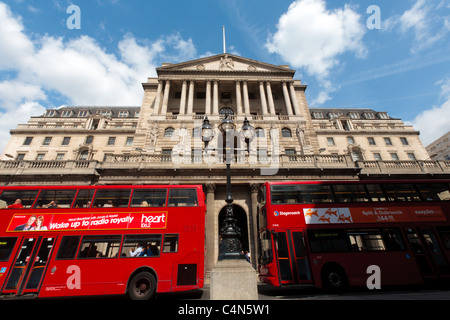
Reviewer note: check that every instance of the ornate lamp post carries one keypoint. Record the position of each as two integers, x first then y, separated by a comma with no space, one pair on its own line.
230,247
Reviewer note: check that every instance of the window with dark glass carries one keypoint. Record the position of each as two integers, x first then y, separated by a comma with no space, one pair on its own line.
100,247
149,198
68,247
182,198
108,198
135,246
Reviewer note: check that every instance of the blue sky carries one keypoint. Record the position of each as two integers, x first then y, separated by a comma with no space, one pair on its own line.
401,66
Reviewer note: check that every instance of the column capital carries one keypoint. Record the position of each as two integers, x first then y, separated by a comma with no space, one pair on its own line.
254,187
210,187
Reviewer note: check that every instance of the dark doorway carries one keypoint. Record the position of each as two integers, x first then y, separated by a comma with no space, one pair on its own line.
241,217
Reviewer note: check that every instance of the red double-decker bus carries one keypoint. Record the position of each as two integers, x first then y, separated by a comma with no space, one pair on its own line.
329,234
98,240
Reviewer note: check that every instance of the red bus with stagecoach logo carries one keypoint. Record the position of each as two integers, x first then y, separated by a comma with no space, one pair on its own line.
331,233
101,240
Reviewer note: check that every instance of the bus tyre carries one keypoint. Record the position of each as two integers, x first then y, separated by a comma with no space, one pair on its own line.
334,278
142,286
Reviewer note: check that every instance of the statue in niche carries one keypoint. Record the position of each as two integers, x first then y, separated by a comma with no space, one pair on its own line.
154,135
226,63
301,134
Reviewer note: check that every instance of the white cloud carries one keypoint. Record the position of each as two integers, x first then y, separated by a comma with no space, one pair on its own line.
423,21
310,36
78,70
434,122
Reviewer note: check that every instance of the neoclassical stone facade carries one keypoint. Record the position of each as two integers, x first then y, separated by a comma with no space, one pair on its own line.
161,140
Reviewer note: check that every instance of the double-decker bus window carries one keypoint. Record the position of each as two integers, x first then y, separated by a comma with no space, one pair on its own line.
149,198
170,243
401,192
393,240
433,191
141,246
84,198
350,193
301,193
108,198
182,198
68,247
9,197
6,247
366,240
265,249
376,194
100,247
55,198
444,233
328,241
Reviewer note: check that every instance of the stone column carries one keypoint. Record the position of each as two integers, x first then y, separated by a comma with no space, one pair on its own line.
208,98
183,97
158,98
216,97
246,100
210,256
294,99
263,98
254,188
238,98
166,97
287,99
270,98
190,104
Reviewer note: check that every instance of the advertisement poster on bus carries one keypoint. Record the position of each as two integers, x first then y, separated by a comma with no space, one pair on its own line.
372,214
87,221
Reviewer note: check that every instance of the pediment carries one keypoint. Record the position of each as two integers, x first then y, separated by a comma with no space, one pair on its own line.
225,63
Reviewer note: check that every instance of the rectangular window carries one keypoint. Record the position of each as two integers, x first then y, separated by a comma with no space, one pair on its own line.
135,246
60,156
388,141
401,192
27,141
330,141
111,141
170,243
328,241
149,198
350,193
129,141
65,141
6,247
376,193
404,141
99,247
84,198
68,247
108,198
182,198
51,199
371,141
434,191
394,156
411,156
301,193
47,141
377,156
27,197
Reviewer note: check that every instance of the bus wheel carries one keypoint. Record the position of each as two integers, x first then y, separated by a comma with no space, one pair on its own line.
334,278
142,286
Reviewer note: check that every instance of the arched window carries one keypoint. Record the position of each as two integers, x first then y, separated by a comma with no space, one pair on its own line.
168,133
259,132
84,155
286,133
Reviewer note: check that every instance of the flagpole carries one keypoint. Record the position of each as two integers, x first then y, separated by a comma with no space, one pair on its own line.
224,46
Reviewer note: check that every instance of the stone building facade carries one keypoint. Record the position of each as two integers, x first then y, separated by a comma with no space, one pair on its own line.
161,141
